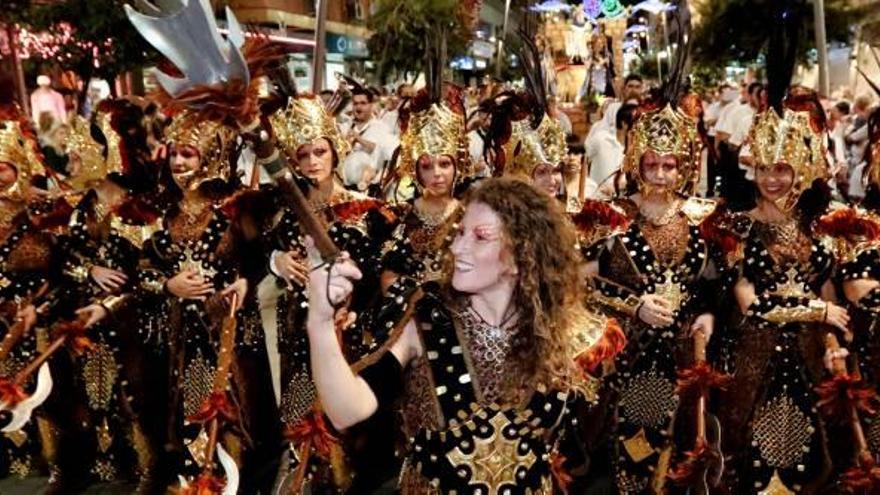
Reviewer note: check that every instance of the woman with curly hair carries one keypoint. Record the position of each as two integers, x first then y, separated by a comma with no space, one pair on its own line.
482,364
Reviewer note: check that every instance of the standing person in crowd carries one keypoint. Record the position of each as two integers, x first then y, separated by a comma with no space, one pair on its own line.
372,143
46,99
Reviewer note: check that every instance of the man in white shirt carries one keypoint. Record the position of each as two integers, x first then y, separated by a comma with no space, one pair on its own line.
372,143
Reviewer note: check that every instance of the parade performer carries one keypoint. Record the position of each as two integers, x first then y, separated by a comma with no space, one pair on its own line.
780,270
309,137
198,264
101,254
433,155
651,276
483,360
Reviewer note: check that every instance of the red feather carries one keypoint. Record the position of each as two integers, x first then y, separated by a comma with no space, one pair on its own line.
137,212
713,229
841,395
700,377
560,474
864,478
206,484
57,216
689,471
312,429
75,333
613,341
11,393
216,405
599,213
353,211
847,223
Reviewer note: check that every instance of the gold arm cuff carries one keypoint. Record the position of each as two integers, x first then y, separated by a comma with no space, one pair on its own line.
627,306
815,311
78,273
112,303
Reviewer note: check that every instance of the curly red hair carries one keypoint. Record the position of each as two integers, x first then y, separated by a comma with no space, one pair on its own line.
542,243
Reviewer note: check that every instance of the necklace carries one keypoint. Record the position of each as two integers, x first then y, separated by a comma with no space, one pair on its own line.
785,232
496,330
193,211
434,218
665,217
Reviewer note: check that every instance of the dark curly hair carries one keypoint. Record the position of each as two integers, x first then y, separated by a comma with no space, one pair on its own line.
542,243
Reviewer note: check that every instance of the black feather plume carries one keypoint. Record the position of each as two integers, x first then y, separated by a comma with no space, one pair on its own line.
787,16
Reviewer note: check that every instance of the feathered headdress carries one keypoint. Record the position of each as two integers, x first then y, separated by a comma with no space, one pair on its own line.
212,85
432,123
668,122
537,138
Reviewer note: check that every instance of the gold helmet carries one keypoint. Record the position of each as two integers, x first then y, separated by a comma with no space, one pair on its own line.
531,147
94,166
212,139
20,151
304,120
436,131
665,131
791,140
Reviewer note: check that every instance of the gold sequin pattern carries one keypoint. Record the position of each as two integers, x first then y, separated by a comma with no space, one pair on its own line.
198,382
648,399
782,432
298,398
99,373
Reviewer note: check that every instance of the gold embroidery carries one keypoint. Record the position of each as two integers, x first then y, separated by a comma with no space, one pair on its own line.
776,486
99,373
782,432
20,468
18,437
105,439
791,287
670,290
197,447
197,384
638,447
495,459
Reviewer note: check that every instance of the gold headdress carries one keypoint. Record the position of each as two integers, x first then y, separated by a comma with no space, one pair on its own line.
531,147
303,120
19,151
434,132
788,139
666,131
212,139
94,167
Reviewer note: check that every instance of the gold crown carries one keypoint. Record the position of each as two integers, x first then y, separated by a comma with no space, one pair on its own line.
666,131
94,166
532,147
19,151
303,120
212,139
434,132
791,140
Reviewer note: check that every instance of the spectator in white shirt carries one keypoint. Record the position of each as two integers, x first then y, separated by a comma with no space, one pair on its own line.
372,143
606,143
45,99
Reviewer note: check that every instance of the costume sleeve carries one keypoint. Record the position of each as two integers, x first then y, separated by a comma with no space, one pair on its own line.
572,454
385,378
